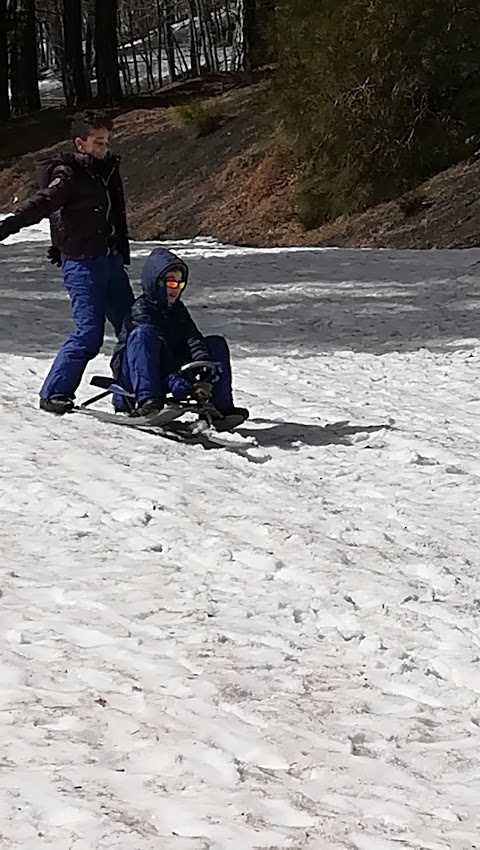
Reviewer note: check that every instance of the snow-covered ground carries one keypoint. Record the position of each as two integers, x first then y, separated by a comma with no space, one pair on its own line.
202,651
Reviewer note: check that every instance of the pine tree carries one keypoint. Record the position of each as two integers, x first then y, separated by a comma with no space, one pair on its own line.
380,94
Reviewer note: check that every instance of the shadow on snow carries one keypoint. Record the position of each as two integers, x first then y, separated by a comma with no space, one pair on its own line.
290,435
300,303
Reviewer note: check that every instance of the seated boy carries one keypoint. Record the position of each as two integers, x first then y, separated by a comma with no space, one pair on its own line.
159,337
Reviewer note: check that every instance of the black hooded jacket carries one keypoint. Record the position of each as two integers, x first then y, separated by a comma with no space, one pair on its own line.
84,200
177,330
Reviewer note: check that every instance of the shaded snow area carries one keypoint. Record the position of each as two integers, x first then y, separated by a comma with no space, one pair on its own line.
202,650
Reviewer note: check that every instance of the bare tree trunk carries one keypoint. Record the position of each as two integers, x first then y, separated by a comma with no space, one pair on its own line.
74,67
160,40
23,58
210,33
205,37
4,99
109,90
169,39
194,47
41,45
134,51
56,34
228,17
220,36
125,70
228,35
89,31
58,41
51,55
150,59
238,36
146,55
181,55
255,12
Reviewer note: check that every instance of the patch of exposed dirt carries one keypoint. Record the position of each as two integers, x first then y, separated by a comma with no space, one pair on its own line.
239,183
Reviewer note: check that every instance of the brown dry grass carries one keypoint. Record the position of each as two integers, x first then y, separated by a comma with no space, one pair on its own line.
239,184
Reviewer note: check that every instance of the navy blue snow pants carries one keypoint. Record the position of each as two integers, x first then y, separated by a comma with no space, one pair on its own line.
98,289
147,362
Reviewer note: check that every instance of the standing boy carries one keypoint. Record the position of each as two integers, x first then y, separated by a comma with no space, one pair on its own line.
82,195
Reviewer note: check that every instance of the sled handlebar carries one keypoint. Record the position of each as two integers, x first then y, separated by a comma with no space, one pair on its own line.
199,369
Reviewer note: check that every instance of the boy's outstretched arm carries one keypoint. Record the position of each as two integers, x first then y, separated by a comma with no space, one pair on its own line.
41,205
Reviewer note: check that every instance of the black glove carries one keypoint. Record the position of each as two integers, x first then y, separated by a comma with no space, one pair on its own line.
54,256
8,227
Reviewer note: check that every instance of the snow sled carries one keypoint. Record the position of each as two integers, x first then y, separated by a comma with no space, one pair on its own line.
207,417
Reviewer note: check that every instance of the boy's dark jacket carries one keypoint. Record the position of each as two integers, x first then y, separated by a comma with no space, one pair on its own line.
84,200
175,327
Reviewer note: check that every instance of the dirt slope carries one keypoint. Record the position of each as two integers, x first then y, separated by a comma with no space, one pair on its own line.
238,183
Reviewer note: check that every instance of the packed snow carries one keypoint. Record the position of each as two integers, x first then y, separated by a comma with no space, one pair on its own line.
210,650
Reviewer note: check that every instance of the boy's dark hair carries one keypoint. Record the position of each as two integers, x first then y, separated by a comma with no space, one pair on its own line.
83,123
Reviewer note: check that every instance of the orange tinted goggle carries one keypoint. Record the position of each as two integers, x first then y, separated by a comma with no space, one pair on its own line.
174,284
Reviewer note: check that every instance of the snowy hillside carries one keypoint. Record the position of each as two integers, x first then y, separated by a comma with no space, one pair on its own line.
203,650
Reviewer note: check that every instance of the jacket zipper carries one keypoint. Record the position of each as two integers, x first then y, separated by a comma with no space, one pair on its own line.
109,201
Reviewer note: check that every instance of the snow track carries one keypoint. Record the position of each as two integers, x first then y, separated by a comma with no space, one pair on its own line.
201,652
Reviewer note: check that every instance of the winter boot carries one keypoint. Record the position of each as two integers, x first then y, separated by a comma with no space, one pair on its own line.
150,407
58,404
230,418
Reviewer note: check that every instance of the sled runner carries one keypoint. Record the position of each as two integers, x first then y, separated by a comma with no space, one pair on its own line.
198,404
201,421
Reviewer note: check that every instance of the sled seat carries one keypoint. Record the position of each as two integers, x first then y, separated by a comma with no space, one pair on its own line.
110,386
101,381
